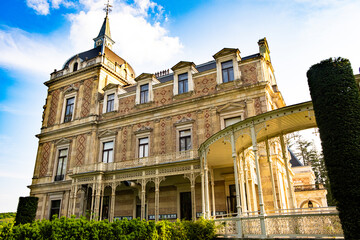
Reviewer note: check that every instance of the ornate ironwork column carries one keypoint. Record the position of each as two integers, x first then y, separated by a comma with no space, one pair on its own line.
284,153
157,182
233,150
207,202
112,203
261,200
241,183
213,191
202,185
271,173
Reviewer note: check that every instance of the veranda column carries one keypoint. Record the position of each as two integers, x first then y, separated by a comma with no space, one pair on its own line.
74,200
202,185
233,150
284,153
97,201
261,200
241,182
247,186
213,191
157,195
92,201
112,203
271,174
207,202
192,178
101,201
143,192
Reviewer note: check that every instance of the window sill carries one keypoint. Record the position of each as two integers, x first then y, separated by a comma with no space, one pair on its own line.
235,83
109,113
144,105
183,95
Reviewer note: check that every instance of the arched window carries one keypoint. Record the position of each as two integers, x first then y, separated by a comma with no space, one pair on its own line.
75,67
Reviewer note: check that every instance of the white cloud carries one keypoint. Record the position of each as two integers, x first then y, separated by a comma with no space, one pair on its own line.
42,7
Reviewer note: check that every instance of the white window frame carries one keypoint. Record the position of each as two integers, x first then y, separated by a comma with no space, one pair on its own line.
58,148
102,141
66,97
116,100
54,197
140,136
189,71
233,114
220,60
150,93
182,127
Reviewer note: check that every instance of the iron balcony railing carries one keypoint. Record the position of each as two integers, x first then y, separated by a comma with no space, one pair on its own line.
138,162
311,187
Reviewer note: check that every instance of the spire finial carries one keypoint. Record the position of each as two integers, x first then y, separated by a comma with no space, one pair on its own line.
107,9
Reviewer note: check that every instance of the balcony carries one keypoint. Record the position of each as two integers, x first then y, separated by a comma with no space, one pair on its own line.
312,187
138,162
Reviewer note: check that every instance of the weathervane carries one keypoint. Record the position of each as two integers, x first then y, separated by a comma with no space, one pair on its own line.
107,9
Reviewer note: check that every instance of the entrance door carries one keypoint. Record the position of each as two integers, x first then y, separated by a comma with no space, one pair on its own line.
185,206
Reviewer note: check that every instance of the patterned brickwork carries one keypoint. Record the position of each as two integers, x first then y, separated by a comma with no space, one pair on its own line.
257,105
162,135
124,142
44,159
53,107
207,123
80,149
163,95
86,101
126,105
249,73
205,85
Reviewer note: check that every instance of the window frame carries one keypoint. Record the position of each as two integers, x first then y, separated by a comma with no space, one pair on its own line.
144,93
187,137
141,135
227,71
182,127
107,151
112,101
61,177
55,197
66,98
143,147
56,161
102,142
228,115
183,82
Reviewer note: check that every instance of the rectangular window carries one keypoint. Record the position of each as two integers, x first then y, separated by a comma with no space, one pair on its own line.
55,208
231,121
185,140
183,83
144,93
108,150
110,102
61,167
69,109
143,147
227,71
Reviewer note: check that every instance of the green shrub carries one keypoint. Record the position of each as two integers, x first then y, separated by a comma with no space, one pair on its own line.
336,101
71,228
26,210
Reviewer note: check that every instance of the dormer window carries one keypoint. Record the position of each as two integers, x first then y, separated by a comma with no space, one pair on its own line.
75,67
183,83
144,93
144,88
227,67
183,77
227,71
110,102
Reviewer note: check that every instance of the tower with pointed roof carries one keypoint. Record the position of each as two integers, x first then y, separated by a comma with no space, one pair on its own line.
104,36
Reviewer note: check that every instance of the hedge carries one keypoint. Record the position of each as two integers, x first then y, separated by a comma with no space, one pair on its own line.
72,228
336,101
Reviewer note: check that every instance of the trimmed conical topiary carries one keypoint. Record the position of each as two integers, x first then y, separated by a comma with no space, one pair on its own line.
336,101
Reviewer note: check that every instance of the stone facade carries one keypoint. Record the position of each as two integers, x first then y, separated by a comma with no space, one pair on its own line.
77,170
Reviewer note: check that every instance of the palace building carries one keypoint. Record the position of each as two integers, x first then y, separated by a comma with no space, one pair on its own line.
178,144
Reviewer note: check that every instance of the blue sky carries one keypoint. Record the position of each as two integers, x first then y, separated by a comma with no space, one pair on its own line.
38,36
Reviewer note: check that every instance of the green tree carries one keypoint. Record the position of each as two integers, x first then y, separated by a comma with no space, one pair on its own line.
336,103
